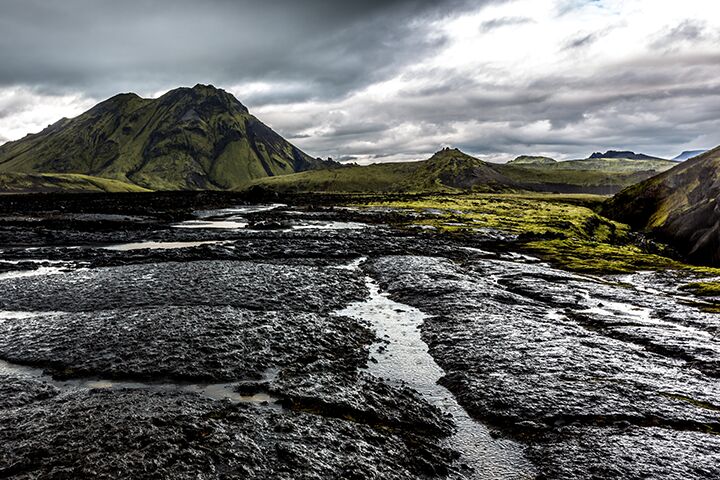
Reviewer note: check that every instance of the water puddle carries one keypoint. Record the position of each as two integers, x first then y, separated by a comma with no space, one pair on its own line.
213,224
213,391
329,225
609,308
240,210
405,359
124,247
17,315
33,273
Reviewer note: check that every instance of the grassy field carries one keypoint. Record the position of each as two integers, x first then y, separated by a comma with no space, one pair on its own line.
565,230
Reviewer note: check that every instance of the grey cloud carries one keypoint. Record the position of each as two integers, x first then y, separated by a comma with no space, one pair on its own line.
688,31
354,129
652,108
496,23
581,41
565,7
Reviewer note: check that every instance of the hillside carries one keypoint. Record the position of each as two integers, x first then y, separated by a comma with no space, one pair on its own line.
189,138
591,175
62,182
679,205
447,170
452,170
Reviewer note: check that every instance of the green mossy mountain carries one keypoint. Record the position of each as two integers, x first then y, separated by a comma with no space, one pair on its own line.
680,205
187,139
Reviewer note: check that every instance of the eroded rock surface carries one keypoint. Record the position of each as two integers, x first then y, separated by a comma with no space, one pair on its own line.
593,375
115,362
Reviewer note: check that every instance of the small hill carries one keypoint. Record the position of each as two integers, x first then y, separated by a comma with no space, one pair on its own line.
680,205
623,154
187,139
532,160
455,169
688,154
447,170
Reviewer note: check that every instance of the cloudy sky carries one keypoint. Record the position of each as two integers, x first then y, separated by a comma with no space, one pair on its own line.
384,80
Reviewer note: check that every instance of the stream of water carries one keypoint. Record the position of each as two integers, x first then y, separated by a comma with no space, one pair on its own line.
405,360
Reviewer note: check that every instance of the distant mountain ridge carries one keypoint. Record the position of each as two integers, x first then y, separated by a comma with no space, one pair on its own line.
189,138
688,154
453,170
532,160
623,154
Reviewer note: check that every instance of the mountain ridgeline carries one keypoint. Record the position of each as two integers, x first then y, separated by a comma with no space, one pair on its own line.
189,138
453,170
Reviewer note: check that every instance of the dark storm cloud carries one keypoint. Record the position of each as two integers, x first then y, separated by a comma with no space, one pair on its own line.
103,46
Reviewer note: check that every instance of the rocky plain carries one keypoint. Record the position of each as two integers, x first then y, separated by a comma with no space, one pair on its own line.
209,336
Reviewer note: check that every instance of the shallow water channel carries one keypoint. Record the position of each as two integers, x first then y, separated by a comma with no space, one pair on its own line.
401,357
213,391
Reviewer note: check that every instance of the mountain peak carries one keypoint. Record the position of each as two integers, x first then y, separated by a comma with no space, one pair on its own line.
208,95
448,152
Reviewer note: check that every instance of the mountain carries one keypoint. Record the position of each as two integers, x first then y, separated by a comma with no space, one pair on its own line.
623,154
189,138
680,205
591,175
532,160
687,154
447,170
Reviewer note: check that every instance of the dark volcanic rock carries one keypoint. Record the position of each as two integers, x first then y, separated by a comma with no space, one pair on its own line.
198,343
17,391
539,354
239,284
136,434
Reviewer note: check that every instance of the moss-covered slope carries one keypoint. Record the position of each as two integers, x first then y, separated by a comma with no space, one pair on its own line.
189,138
680,204
591,175
62,182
